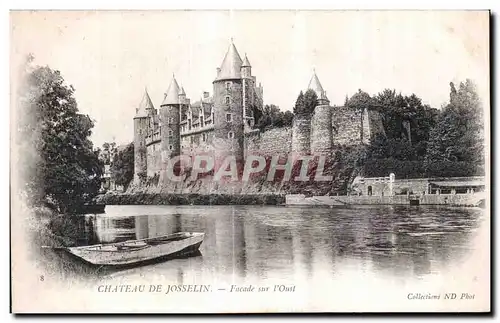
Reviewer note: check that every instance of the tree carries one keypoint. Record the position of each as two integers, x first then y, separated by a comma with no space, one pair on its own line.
107,153
273,117
310,101
61,168
407,123
299,107
305,104
459,133
361,100
405,118
122,166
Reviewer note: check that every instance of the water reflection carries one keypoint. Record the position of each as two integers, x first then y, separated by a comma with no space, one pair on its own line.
302,243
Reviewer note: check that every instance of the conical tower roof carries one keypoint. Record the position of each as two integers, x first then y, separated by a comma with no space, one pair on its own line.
172,95
246,62
315,85
145,106
231,65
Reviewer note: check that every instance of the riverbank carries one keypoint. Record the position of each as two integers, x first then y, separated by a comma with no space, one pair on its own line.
189,199
46,232
465,200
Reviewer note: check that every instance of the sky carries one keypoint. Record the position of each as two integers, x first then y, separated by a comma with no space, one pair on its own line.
111,57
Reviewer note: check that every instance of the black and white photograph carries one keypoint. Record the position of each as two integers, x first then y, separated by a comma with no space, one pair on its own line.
250,161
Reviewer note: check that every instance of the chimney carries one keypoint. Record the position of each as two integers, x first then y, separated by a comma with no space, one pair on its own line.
218,71
206,95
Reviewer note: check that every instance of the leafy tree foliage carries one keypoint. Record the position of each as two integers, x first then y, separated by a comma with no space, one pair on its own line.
299,104
272,117
122,166
422,141
310,101
60,167
305,104
360,100
108,152
459,133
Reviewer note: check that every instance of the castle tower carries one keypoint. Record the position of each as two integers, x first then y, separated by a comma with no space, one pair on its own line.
170,119
248,93
246,68
182,96
315,85
228,107
141,129
321,122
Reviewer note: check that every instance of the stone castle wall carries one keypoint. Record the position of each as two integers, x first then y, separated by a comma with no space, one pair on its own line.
308,135
376,125
202,142
323,133
347,126
153,159
269,143
301,135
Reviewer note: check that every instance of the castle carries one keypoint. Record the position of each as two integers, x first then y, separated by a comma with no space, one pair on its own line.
223,123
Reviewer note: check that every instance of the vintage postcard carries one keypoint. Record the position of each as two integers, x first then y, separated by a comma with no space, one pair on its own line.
238,161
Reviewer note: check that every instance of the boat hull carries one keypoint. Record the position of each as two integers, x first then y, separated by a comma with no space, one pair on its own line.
139,251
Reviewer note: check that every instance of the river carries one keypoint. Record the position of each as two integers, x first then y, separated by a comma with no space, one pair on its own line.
355,248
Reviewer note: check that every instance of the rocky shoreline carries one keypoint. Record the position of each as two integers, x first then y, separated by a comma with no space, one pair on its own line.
189,199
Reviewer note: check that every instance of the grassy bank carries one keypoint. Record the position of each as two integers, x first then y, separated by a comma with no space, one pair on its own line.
47,231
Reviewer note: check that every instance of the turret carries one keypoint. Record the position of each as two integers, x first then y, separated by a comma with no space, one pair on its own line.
228,107
141,129
246,68
315,85
321,122
170,119
248,93
182,95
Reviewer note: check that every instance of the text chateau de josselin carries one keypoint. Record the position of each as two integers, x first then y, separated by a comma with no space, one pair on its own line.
223,123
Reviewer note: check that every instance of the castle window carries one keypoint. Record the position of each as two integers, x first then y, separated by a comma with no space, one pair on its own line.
228,100
204,137
170,147
170,133
228,86
229,117
230,135
171,120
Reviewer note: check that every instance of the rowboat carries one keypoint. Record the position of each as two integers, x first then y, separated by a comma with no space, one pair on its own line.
136,251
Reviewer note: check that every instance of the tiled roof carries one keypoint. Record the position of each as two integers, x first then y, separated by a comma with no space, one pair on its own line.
144,106
246,62
173,91
315,85
231,65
